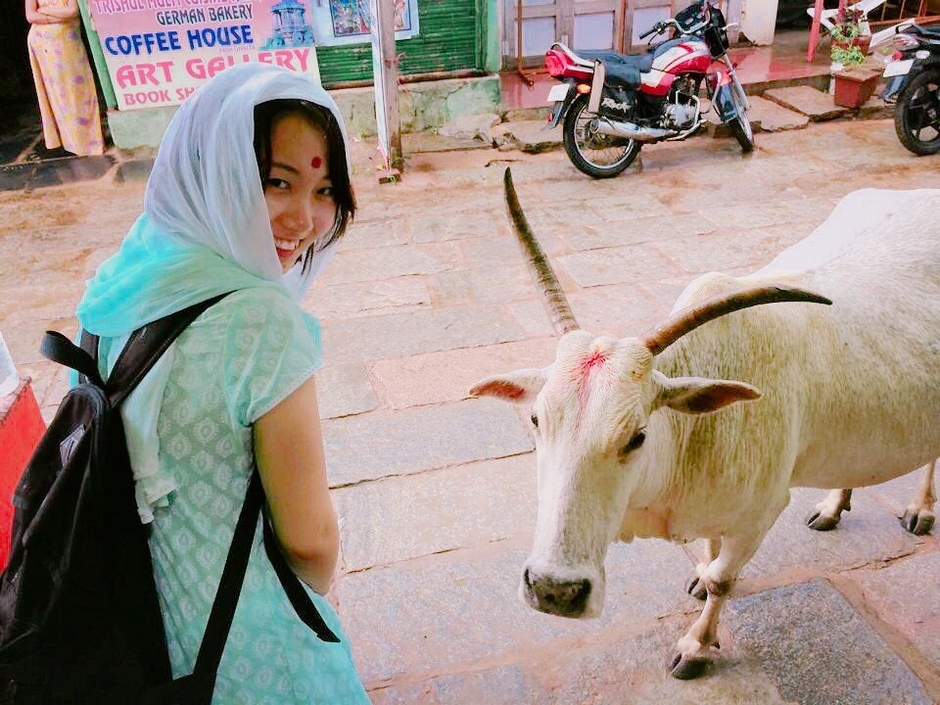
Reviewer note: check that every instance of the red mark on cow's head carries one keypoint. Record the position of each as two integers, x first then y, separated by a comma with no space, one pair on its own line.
316,162
593,361
597,358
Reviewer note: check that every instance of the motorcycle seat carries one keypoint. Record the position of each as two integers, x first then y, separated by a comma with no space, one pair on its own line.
932,31
624,69
665,46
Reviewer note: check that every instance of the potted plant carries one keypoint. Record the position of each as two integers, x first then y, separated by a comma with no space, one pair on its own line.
851,29
851,37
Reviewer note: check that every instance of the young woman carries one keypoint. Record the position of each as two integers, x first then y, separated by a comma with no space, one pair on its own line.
65,87
249,193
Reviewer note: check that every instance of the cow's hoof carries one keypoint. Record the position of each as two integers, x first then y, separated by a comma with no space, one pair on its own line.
818,521
918,523
696,587
687,667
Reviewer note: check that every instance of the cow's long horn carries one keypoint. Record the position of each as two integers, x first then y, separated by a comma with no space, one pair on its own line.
689,319
552,295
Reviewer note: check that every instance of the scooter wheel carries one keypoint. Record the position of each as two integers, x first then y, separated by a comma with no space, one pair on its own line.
917,117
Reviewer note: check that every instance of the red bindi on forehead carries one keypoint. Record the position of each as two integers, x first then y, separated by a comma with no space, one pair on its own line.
316,162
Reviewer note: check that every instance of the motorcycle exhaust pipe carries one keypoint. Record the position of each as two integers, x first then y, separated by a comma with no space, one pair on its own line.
630,131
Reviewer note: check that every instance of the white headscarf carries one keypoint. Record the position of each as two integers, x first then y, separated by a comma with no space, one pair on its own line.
204,185
205,231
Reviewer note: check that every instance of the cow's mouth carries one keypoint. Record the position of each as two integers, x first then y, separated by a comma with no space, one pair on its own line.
563,598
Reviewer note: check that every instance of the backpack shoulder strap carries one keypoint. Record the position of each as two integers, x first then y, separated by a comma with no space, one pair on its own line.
58,348
89,343
146,345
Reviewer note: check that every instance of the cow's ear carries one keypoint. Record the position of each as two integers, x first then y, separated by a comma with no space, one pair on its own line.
699,395
519,387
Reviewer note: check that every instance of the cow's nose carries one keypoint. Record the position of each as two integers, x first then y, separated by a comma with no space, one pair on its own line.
567,598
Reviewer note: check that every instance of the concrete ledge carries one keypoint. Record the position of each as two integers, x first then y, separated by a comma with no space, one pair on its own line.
139,128
423,106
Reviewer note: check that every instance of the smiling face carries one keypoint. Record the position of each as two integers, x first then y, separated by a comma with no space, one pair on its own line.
298,191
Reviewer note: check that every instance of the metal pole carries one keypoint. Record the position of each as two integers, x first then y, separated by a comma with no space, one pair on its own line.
389,64
814,32
620,42
526,79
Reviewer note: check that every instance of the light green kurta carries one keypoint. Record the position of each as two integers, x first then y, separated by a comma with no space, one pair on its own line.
236,362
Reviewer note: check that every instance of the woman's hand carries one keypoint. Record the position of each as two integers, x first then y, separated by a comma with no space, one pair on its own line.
51,15
34,16
289,454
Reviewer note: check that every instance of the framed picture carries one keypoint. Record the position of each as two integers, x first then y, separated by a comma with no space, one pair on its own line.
347,21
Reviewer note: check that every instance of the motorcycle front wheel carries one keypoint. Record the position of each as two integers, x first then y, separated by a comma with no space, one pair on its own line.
599,156
741,125
917,117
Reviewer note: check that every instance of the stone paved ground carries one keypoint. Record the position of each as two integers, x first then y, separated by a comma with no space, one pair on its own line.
436,492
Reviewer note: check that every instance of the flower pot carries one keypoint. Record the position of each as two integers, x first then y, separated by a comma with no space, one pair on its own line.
854,87
863,42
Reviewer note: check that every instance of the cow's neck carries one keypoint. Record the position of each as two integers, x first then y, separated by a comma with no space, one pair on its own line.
661,488
652,502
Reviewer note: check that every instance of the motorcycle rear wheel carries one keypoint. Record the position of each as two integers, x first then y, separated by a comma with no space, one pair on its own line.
598,156
918,110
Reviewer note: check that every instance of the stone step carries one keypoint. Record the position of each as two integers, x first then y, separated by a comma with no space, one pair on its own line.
527,136
808,101
775,106
765,115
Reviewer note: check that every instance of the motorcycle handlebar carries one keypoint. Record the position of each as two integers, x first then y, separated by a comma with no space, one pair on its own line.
660,27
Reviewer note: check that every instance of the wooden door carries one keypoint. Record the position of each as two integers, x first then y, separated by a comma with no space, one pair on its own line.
581,24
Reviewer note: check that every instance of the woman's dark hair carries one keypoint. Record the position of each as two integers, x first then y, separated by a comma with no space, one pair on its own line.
266,115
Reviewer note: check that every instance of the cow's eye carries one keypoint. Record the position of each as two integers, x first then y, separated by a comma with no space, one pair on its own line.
535,420
634,443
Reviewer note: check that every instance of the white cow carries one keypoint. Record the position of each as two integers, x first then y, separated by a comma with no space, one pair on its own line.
846,395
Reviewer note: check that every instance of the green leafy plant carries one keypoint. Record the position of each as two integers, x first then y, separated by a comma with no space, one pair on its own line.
851,56
846,29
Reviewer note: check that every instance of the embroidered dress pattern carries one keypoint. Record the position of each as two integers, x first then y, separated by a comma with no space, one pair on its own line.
236,362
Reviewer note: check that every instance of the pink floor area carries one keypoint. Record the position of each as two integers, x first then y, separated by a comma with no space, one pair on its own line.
783,61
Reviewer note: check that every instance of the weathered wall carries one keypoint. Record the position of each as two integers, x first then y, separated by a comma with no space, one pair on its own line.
422,105
758,19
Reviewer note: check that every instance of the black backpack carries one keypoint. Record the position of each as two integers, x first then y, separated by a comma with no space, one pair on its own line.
80,619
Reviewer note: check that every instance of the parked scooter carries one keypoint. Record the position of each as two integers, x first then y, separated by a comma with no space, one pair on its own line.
612,103
914,82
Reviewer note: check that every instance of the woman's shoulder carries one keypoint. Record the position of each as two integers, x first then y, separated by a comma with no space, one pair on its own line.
264,312
254,306
255,297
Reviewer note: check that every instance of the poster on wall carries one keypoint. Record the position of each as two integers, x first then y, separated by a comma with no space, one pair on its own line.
339,22
160,51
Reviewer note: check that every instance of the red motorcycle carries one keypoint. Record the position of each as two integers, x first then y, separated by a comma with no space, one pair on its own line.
613,103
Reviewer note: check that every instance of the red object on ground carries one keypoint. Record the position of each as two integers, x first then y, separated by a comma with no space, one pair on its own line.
21,427
853,88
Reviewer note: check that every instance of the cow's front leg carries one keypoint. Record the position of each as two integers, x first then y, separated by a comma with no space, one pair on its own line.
825,515
694,650
696,585
919,516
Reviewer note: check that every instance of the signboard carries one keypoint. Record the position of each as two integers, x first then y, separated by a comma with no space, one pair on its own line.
160,51
347,21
